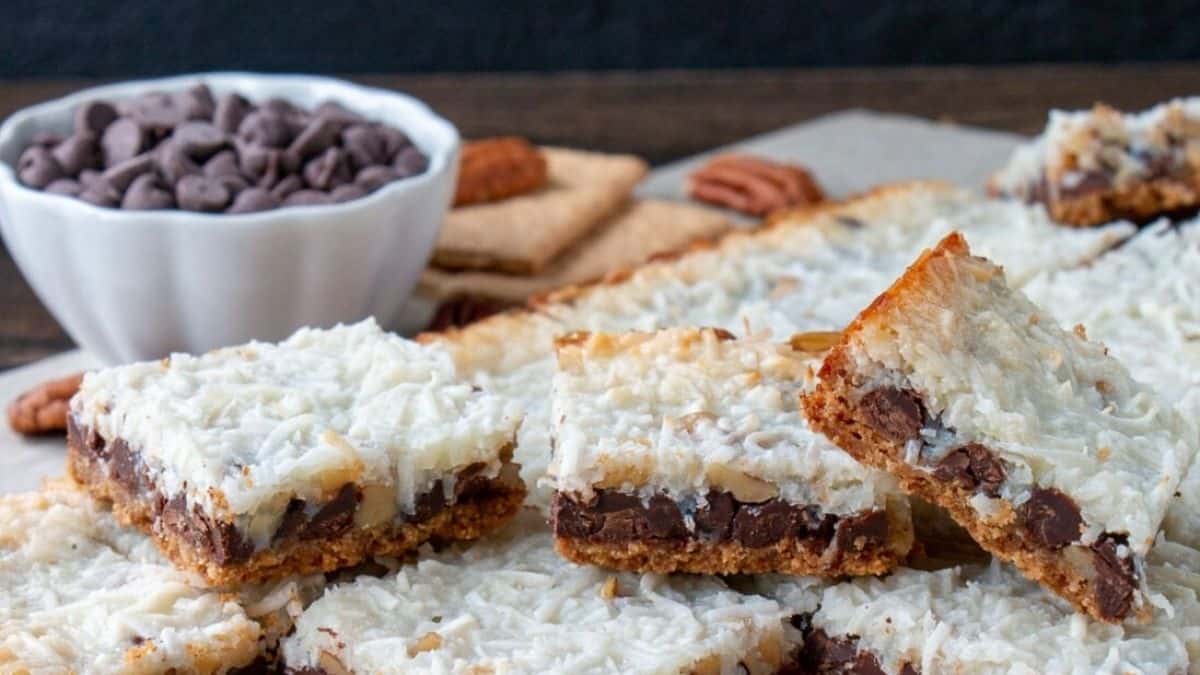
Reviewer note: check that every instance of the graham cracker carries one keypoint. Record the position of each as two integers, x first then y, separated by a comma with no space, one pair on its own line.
643,229
522,234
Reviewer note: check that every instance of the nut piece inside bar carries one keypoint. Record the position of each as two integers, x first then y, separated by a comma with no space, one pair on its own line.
685,451
1035,440
264,461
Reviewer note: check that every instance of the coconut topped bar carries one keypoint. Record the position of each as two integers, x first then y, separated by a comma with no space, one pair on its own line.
263,460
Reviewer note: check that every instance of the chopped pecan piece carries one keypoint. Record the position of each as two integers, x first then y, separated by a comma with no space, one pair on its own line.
753,185
43,409
492,169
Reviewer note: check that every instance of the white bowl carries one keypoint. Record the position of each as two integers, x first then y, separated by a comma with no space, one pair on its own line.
135,285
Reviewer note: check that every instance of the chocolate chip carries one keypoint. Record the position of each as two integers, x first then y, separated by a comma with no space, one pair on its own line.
230,112
197,102
123,467
327,170
896,414
335,517
364,145
758,525
409,162
320,133
46,139
974,467
374,177
287,186
306,198
1050,518
569,519
173,163
822,654
200,140
347,192
37,167
429,504
80,151
859,533
89,176
714,520
338,113
121,175
663,519
253,199
122,140
394,140
64,186
94,117
198,193
146,193
260,128
100,193
1116,580
254,160
157,113
224,163
234,182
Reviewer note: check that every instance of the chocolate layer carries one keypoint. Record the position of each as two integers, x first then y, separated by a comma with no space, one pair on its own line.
823,654
1049,519
303,520
614,517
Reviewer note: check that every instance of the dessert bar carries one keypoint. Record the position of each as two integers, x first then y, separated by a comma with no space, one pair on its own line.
977,620
1033,438
511,605
1094,166
81,594
808,271
1140,301
266,460
685,450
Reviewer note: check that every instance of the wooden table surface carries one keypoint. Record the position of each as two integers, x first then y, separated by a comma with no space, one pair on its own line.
668,115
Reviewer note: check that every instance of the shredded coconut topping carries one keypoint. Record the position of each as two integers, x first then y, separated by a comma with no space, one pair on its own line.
512,605
811,273
244,430
1142,301
991,620
994,369
684,411
80,594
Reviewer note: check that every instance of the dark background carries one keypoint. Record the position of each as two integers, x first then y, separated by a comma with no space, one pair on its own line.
108,38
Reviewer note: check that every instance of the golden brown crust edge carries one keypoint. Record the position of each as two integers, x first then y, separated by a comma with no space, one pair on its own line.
458,522
787,556
1138,202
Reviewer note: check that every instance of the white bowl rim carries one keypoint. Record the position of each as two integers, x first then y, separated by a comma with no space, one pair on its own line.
439,157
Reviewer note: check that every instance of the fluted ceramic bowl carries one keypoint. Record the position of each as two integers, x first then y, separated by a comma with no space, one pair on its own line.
134,285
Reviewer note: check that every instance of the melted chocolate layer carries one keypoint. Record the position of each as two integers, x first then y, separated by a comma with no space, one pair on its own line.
612,516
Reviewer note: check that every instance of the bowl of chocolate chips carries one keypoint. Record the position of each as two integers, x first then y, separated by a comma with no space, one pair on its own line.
189,213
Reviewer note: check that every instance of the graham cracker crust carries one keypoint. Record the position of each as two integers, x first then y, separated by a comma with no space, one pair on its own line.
457,522
788,556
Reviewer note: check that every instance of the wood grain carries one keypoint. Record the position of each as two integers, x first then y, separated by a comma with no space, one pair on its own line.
671,114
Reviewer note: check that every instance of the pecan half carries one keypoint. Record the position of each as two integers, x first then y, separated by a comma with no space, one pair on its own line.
753,185
492,169
43,409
